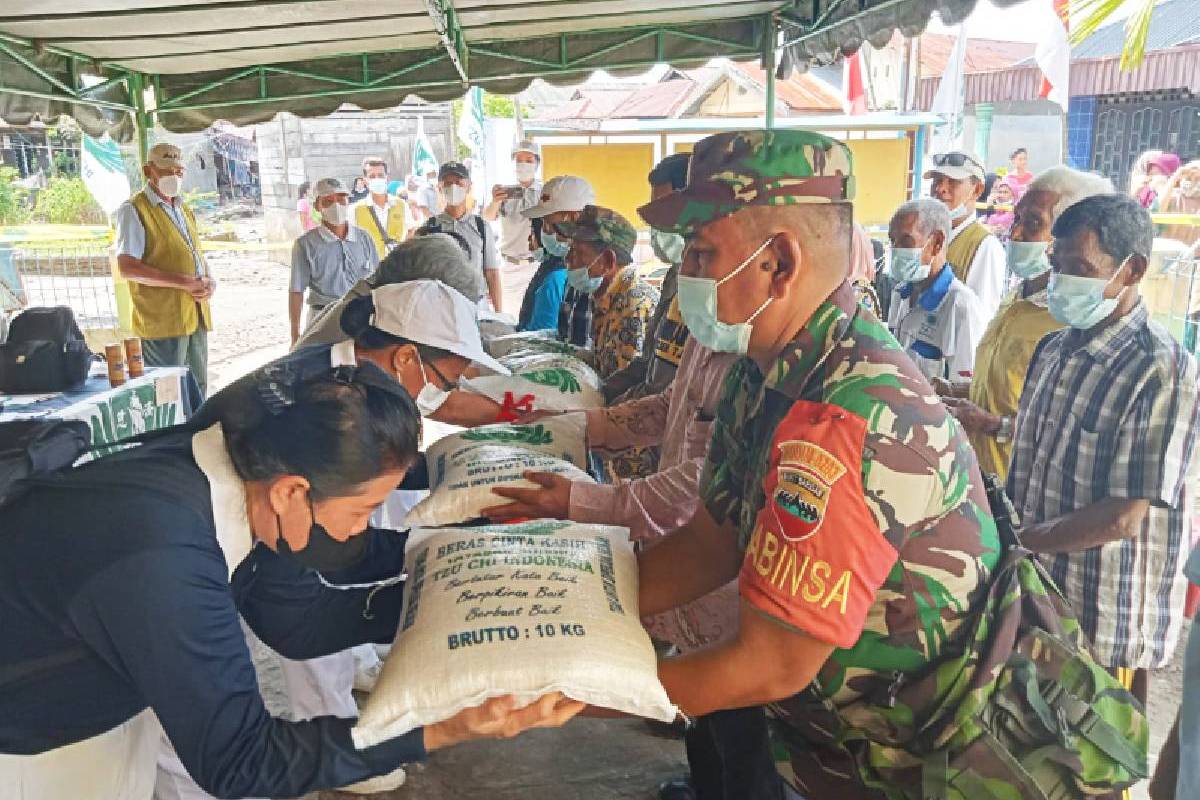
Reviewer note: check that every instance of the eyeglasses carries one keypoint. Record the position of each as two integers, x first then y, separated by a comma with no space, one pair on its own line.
954,160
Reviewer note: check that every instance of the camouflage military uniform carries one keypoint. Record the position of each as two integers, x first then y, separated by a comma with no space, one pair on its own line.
860,507
854,495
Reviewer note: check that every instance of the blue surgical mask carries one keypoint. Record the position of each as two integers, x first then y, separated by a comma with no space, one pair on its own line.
1027,259
581,280
377,186
958,212
539,254
698,307
907,266
554,246
668,247
1080,302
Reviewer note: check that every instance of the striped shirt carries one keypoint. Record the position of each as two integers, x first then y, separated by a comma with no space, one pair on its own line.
1113,415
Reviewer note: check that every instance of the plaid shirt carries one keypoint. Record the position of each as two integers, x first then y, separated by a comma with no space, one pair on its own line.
1113,415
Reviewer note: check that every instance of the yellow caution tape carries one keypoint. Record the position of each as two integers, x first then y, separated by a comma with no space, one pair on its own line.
244,247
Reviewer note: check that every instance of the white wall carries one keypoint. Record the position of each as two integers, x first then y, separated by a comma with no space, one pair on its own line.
1036,126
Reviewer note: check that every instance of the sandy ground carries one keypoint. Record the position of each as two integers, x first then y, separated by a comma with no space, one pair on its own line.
589,759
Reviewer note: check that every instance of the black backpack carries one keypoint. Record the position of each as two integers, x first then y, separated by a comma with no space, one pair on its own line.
33,448
45,352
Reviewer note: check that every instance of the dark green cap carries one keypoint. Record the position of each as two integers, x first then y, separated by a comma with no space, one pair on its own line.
732,171
604,227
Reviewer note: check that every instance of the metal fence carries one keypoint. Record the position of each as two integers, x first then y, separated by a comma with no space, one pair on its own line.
1171,290
73,274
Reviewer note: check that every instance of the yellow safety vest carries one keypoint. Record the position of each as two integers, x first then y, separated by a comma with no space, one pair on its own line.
961,252
160,312
1001,361
365,218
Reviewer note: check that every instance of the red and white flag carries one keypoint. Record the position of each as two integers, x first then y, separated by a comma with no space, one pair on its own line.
852,82
1053,54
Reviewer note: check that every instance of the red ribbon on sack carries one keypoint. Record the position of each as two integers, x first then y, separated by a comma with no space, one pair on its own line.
512,409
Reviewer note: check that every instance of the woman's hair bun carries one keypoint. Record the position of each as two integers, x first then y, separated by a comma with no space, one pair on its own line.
356,316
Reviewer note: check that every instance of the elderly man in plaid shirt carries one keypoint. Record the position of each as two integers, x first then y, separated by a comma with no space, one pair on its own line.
1101,469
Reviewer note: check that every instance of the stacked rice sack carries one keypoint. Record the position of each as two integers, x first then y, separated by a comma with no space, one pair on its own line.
525,610
547,375
465,467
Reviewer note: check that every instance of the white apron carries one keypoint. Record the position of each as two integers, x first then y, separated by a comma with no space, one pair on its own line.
116,765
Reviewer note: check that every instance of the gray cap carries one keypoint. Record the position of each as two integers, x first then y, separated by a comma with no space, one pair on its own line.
528,146
436,256
328,186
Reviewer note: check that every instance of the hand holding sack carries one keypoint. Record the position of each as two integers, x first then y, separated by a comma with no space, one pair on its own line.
465,467
523,610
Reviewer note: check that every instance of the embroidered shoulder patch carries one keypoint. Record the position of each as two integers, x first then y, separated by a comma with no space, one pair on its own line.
806,475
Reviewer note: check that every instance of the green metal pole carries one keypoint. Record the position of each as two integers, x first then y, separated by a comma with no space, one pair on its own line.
769,66
983,129
141,119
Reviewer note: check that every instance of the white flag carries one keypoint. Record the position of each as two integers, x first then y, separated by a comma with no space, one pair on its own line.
423,159
103,172
949,100
1053,51
470,130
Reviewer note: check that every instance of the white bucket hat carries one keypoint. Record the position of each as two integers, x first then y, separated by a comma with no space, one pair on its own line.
429,312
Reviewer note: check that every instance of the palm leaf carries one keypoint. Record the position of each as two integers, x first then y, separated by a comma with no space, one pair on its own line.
1087,16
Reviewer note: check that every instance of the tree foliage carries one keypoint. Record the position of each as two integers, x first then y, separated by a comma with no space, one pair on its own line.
1087,16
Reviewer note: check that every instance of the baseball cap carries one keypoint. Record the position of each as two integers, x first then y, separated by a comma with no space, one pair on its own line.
527,146
433,314
735,170
454,168
562,193
328,186
165,156
956,165
605,227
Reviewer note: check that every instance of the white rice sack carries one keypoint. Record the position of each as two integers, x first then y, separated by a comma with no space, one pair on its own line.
465,467
493,327
527,609
530,342
526,361
566,387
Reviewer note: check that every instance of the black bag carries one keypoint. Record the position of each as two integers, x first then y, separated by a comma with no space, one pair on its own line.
31,448
45,352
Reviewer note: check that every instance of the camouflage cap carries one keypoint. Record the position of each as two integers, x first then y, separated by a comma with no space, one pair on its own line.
730,171
603,226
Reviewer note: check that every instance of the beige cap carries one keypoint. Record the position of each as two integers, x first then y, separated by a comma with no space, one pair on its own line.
165,156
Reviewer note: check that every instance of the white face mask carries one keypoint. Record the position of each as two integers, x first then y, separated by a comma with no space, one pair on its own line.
169,185
336,214
455,194
525,171
377,186
430,398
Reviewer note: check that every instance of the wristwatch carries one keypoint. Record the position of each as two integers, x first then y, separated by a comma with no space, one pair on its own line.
1004,433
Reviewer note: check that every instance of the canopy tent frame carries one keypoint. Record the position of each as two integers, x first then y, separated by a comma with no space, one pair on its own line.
309,57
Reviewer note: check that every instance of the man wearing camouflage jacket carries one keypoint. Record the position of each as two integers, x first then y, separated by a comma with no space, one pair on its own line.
837,489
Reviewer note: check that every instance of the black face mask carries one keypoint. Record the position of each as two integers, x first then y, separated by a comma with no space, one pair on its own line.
322,552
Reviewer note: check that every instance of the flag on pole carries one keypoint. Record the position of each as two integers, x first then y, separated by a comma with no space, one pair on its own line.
423,159
103,172
1053,53
470,131
949,100
852,79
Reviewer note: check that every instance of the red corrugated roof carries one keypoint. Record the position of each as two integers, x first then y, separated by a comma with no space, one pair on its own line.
982,55
1173,68
664,99
801,92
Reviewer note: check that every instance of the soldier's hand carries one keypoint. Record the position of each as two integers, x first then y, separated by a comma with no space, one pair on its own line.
551,501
